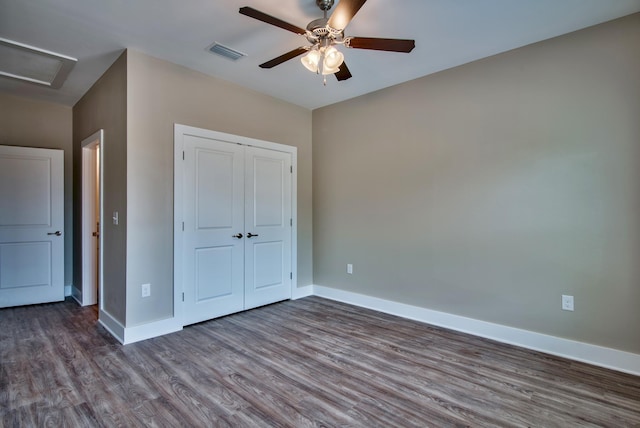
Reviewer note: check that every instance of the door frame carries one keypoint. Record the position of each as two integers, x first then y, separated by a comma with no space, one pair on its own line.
89,296
178,199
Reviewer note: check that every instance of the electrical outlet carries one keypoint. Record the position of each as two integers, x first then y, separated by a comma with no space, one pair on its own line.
567,303
146,290
349,268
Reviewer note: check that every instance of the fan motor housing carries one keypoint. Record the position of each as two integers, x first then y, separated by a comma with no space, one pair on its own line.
318,30
318,26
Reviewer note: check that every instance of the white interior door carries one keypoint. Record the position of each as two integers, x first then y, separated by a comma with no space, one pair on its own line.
31,226
213,246
235,240
268,222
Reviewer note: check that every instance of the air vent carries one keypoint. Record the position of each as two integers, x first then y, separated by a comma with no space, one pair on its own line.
226,52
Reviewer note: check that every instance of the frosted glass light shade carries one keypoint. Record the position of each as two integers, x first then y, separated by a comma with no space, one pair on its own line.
327,70
333,59
310,60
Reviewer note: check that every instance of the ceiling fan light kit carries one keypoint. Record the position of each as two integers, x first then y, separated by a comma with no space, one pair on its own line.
323,60
324,34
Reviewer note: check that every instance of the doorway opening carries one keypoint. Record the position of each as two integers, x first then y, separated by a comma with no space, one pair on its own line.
92,173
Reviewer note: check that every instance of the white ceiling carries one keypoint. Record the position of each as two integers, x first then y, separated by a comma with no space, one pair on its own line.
448,33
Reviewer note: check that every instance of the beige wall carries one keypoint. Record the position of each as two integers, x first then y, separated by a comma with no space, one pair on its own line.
30,123
159,95
104,106
491,189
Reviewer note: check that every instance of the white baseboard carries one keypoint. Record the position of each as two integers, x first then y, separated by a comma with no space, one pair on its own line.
77,295
300,292
67,290
127,335
112,325
150,330
597,355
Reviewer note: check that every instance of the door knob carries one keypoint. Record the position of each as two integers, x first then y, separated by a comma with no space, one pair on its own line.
237,235
57,233
251,235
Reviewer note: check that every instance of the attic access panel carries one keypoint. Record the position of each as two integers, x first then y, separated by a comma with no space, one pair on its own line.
34,65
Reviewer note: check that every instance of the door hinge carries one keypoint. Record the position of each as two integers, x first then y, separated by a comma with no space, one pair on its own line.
290,275
183,297
291,169
183,155
291,222
183,226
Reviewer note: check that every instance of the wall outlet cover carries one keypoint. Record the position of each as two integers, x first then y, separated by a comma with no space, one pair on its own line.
567,303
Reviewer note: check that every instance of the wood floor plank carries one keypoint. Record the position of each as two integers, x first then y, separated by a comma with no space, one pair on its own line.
348,387
305,363
393,368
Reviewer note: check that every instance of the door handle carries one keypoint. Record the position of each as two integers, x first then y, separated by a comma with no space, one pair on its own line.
237,235
57,233
251,235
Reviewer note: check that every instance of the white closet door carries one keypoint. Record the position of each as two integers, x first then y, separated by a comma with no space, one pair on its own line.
31,226
213,264
267,226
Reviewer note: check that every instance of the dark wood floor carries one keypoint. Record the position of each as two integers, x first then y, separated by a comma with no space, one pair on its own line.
310,362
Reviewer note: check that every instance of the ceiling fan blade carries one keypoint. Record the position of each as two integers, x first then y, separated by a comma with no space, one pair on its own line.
261,16
282,58
344,13
343,73
391,45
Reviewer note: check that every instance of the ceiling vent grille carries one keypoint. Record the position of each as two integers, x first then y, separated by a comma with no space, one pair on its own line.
226,52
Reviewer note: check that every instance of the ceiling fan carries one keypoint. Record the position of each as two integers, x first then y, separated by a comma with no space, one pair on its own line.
324,34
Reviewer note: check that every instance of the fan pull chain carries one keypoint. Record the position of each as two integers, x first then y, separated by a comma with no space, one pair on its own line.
321,68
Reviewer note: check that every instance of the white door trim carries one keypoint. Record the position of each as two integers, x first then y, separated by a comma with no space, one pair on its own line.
88,295
178,198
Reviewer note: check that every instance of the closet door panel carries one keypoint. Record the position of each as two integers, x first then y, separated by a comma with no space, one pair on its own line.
267,226
214,206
